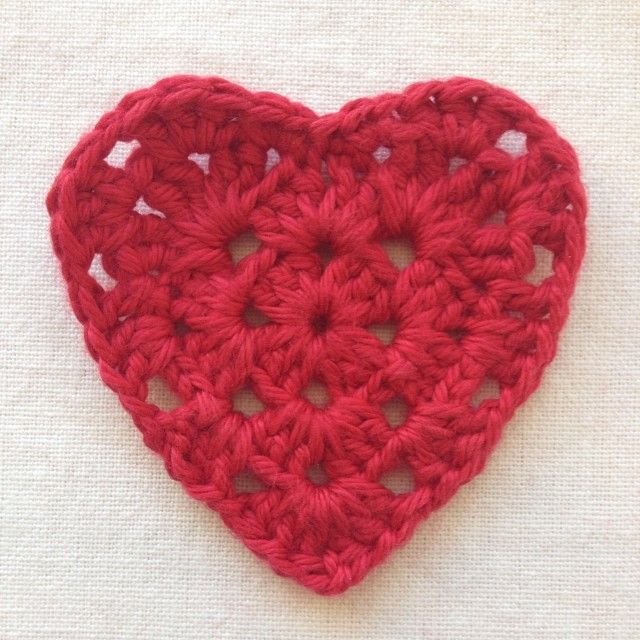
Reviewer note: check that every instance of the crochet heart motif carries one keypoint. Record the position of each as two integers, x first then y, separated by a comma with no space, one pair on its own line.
466,173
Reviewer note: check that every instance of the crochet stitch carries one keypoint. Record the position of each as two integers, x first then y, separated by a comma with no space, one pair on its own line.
443,165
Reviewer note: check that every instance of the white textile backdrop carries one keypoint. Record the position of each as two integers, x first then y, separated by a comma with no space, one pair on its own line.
97,542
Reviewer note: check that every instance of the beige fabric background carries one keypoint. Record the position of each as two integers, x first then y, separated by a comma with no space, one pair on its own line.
96,541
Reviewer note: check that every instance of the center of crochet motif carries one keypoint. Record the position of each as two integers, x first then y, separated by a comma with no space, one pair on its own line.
345,310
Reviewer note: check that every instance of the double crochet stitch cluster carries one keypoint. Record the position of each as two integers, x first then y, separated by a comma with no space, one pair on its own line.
465,173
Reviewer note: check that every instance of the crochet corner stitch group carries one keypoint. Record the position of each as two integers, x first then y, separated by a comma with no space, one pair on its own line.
483,190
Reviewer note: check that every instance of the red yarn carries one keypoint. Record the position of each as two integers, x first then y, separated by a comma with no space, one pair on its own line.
426,165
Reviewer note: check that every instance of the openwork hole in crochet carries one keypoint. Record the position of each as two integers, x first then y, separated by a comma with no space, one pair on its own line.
246,482
243,245
400,251
246,402
316,475
254,317
161,395
202,160
98,273
317,394
144,209
399,480
321,323
395,411
385,332
120,152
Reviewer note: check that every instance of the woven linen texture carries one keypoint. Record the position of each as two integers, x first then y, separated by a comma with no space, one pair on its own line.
97,542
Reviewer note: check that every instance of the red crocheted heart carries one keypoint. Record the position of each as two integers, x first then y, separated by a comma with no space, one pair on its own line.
322,194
